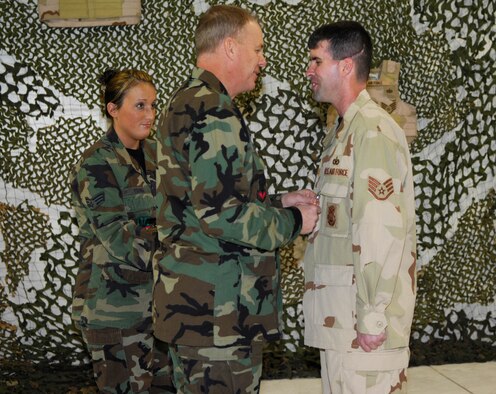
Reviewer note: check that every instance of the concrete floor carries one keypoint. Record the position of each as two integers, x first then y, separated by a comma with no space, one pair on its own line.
475,378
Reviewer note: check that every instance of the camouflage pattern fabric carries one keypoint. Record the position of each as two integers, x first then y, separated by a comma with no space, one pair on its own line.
50,113
211,370
382,86
217,276
128,361
113,197
115,209
360,270
348,378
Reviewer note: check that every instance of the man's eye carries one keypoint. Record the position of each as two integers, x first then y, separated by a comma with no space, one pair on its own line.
140,106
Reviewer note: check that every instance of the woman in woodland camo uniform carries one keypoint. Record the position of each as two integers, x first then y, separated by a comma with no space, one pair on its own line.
113,191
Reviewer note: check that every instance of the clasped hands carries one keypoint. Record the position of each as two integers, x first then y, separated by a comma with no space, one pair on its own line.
370,342
307,202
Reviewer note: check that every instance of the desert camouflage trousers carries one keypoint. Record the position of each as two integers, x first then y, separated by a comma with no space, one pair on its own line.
129,360
339,377
213,370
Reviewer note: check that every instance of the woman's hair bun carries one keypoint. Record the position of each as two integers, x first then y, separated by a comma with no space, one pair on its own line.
105,78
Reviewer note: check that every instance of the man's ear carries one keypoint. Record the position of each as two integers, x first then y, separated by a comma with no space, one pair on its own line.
347,66
112,109
230,47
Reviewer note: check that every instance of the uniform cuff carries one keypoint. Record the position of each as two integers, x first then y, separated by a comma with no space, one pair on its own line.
372,323
276,200
298,219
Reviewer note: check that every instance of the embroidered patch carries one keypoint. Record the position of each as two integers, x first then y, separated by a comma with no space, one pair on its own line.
381,190
96,201
331,215
262,195
390,108
336,171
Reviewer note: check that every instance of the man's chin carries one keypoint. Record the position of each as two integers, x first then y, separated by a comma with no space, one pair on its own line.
250,87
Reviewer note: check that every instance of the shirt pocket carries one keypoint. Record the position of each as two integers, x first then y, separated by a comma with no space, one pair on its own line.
258,284
138,202
124,274
335,297
336,213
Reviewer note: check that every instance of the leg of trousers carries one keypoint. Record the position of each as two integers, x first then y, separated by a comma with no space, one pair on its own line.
339,380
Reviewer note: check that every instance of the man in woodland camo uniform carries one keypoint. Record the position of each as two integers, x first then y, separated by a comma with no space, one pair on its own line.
360,275
217,294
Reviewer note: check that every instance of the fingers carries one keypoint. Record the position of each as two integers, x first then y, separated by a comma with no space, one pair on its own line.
299,197
365,347
370,342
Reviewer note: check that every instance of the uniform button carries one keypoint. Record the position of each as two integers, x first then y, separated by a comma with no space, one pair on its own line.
380,324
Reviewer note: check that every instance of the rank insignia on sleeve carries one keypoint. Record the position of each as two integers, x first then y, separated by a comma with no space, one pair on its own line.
261,195
96,201
381,190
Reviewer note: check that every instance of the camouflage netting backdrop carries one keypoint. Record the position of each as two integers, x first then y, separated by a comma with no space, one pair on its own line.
50,113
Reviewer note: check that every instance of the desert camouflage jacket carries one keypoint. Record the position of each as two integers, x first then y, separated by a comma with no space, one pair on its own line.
360,262
217,275
115,209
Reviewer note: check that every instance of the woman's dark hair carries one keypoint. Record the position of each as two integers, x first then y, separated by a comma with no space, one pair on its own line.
116,84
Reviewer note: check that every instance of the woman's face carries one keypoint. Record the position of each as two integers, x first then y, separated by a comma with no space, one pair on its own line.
134,119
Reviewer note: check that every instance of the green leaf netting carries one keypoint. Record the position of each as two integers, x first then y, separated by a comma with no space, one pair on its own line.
50,112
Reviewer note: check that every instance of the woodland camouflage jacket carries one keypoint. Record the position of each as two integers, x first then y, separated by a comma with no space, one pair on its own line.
217,274
115,209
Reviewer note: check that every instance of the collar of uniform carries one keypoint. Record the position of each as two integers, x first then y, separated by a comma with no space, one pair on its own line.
120,150
210,79
362,98
149,146
112,136
329,137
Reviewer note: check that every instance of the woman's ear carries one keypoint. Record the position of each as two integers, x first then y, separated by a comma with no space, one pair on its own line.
112,109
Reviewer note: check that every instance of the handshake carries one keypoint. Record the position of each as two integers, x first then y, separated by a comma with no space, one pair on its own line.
308,204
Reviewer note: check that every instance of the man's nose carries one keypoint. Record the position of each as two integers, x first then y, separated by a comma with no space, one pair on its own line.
310,70
263,62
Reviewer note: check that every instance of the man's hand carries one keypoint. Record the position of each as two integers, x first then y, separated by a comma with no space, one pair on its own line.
310,215
370,342
299,197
